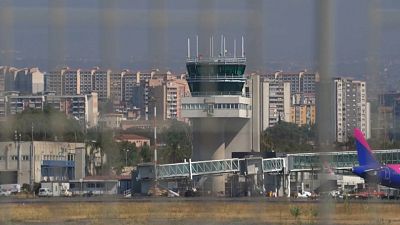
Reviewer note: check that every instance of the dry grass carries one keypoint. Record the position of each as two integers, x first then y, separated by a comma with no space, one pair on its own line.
218,212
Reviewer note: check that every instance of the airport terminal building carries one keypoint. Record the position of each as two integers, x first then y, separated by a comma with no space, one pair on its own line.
23,162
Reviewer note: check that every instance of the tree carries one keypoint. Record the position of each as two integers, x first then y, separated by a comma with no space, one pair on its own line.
178,141
288,137
145,153
48,124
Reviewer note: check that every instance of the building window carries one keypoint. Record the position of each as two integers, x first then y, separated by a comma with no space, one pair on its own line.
14,157
25,157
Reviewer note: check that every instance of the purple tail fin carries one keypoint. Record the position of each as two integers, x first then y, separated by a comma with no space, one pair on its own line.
364,153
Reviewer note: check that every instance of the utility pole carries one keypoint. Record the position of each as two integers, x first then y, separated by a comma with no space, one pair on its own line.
155,142
32,160
126,157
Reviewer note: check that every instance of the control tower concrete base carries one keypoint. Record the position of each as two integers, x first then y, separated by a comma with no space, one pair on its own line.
217,138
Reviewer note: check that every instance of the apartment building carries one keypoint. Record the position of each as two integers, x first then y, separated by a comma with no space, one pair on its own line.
351,108
54,81
17,104
101,84
3,109
275,98
86,81
303,114
71,82
116,86
302,82
81,107
176,90
25,80
130,85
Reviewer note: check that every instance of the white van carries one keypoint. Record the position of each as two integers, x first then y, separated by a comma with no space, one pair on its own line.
45,192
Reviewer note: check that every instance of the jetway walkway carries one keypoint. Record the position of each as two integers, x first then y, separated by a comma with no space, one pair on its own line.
208,167
301,162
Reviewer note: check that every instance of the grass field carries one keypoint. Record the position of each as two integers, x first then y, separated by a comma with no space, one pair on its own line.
197,212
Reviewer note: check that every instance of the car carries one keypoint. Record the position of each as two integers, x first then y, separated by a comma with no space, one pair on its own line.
45,192
67,193
304,194
5,193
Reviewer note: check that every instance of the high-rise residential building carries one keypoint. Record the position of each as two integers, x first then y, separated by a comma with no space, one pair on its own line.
176,90
25,81
54,81
116,86
130,84
303,114
71,82
2,79
275,102
3,109
10,74
351,108
388,124
101,83
86,81
303,82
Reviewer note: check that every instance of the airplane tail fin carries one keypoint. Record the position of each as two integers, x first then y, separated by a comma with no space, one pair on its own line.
364,153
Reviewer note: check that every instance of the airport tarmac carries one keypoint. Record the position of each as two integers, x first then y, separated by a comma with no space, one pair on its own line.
240,211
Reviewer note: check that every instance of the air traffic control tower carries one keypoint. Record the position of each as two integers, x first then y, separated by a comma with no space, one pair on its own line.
220,108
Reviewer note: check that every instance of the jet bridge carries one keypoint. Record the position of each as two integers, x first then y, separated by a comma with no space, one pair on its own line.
208,167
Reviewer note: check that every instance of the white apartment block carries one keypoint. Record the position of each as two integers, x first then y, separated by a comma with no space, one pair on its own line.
275,102
351,108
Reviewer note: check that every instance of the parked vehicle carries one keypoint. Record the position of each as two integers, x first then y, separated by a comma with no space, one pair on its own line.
304,194
13,188
45,192
5,193
67,193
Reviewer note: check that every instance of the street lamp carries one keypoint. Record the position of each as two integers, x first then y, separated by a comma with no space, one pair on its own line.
126,157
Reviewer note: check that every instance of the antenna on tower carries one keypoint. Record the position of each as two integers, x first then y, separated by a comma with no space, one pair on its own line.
212,46
242,47
188,48
234,48
224,47
197,46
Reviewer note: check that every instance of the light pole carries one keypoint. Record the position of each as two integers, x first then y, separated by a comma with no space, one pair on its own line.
126,157
155,143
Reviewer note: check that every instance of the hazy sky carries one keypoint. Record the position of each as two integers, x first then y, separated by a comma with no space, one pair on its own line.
142,34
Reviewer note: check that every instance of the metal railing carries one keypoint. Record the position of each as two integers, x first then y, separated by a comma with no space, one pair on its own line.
337,160
215,166
273,165
190,169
